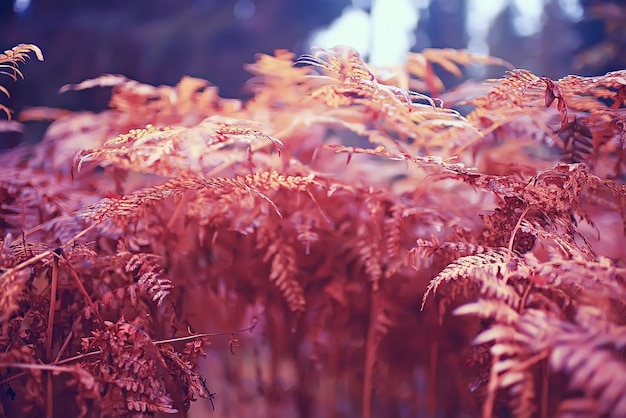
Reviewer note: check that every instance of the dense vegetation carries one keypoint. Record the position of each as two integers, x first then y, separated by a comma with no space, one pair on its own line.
394,248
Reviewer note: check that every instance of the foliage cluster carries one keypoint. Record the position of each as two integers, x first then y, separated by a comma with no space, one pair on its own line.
404,254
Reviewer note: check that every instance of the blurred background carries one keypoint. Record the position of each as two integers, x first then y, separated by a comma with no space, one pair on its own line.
159,41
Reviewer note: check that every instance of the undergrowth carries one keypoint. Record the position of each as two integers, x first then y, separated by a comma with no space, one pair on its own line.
406,250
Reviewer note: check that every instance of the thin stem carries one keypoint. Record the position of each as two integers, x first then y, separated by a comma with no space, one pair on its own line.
13,377
68,339
545,393
86,295
512,239
492,389
371,346
29,366
56,365
171,340
49,334
53,301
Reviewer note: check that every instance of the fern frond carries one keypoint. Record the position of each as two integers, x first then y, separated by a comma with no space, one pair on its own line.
599,372
491,270
181,367
489,308
128,205
105,80
150,276
172,151
135,369
32,201
284,273
577,141
395,257
426,248
11,58
278,84
306,226
350,83
587,350
343,63
513,362
135,105
368,246
9,62
424,161
601,277
581,105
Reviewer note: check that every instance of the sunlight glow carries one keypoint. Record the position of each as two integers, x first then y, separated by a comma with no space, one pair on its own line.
479,19
393,26
352,28
572,9
387,32
529,17
21,6
384,35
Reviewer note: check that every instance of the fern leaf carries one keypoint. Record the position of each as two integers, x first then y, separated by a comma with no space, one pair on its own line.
368,246
417,117
395,258
491,270
305,225
134,372
126,206
489,308
577,141
513,360
150,276
11,58
105,80
600,373
9,61
601,276
284,273
172,151
284,267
